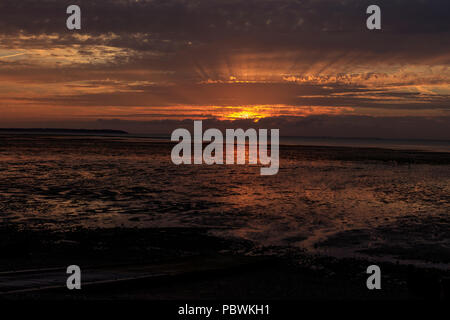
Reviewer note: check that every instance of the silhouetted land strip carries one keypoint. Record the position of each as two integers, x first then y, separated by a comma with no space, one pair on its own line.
60,131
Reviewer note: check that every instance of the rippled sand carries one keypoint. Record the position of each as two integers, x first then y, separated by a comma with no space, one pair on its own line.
338,201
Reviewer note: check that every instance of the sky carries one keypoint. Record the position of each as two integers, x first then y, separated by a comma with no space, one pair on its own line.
311,68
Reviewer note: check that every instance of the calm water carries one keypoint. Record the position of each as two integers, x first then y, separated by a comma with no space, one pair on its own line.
317,203
400,144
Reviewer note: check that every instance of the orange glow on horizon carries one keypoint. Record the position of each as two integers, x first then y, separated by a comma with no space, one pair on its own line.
246,114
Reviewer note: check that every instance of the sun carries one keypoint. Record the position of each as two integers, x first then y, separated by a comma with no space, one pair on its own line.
253,114
244,115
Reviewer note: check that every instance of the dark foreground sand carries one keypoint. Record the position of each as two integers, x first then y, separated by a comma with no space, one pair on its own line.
295,275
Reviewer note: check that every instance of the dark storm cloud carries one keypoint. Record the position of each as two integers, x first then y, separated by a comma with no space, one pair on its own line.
196,17
414,29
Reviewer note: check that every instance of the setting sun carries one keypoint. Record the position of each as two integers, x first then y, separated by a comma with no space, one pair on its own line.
244,115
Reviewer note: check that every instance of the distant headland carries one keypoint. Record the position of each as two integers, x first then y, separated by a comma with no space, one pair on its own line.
61,131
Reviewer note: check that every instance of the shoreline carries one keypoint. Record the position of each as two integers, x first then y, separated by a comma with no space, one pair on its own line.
284,141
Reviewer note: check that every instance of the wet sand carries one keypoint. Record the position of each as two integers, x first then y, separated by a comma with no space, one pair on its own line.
324,218
295,275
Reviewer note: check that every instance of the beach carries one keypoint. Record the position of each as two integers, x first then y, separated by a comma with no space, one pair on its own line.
315,226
